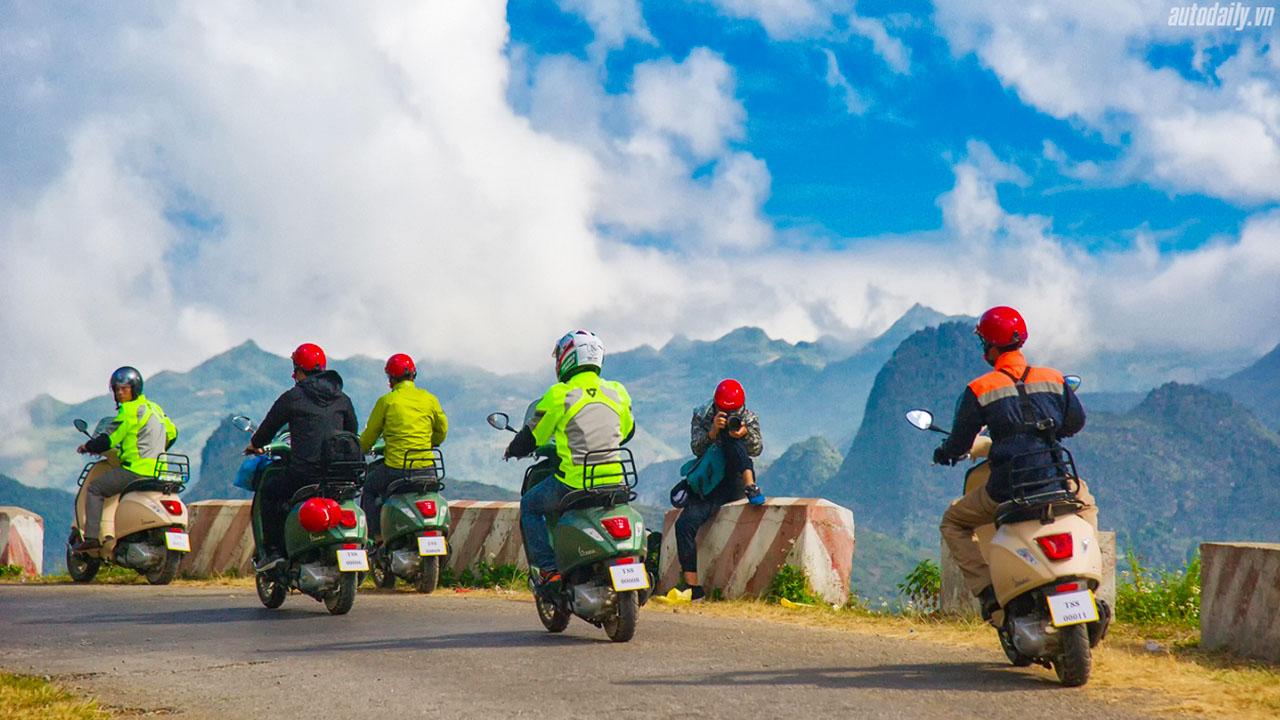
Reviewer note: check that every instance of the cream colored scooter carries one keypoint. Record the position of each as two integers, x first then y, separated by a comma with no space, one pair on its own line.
1046,564
143,528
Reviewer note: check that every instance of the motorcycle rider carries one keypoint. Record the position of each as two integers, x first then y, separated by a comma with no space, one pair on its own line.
314,408
1026,409
141,431
581,413
725,422
410,418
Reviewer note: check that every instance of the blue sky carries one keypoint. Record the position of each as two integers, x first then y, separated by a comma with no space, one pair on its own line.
466,181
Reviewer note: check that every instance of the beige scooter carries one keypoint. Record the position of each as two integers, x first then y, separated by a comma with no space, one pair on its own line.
143,528
1046,564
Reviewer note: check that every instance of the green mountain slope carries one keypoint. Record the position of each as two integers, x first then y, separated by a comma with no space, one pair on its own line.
1257,387
803,469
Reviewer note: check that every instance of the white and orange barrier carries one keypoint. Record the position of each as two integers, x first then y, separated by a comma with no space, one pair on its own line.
21,539
221,539
742,547
1240,599
486,530
956,599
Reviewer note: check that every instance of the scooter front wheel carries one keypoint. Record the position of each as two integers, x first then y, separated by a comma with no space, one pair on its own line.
621,625
1073,661
428,574
271,591
554,617
82,568
1011,652
339,602
167,570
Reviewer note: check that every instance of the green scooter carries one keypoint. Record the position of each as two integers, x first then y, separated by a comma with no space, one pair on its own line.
415,523
599,542
325,534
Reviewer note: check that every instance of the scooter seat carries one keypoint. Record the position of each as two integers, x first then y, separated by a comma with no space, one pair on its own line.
1045,507
151,484
304,492
596,497
421,484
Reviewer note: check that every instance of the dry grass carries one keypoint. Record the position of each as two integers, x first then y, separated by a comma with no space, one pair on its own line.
28,698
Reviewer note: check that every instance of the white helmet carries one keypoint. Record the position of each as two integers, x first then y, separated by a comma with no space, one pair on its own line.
577,349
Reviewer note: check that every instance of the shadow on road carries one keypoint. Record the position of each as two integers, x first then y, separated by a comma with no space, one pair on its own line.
194,616
460,641
968,676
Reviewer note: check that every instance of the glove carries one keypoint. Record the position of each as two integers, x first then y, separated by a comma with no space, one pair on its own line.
941,457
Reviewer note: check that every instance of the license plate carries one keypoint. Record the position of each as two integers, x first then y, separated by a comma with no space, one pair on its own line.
351,560
432,545
629,577
1073,608
179,541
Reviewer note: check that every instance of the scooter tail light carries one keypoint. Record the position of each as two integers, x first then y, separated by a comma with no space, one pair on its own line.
1067,587
427,508
350,546
431,533
174,507
619,528
628,560
1058,546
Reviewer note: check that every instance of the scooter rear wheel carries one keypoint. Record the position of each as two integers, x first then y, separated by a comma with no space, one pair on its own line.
428,574
339,602
271,591
621,625
82,568
1073,661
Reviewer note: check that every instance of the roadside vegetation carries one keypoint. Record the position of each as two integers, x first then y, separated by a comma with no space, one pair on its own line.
27,698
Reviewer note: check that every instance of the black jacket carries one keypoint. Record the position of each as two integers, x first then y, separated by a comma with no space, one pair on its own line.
1018,453
313,409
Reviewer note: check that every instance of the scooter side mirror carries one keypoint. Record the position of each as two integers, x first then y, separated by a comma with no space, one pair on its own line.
81,425
500,421
242,423
1073,382
920,419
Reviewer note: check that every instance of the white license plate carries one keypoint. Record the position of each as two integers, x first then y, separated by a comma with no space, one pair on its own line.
1073,608
179,541
351,560
432,545
629,577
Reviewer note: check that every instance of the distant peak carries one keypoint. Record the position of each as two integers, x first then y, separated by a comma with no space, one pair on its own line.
746,334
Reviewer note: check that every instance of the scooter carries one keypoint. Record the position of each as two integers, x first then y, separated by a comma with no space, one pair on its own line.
143,528
1046,565
605,580
324,532
415,523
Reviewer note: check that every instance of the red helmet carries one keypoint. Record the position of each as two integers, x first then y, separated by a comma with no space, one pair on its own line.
313,516
308,358
730,396
1002,327
400,366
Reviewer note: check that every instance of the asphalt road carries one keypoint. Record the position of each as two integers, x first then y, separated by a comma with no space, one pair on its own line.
216,653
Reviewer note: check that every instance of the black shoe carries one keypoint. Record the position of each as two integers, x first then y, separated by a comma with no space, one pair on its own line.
987,600
86,545
696,593
272,561
547,583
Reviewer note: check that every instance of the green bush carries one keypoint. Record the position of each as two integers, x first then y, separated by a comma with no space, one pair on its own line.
1145,595
485,574
792,583
923,587
7,571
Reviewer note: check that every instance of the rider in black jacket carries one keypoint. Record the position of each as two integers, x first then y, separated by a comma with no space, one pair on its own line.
314,409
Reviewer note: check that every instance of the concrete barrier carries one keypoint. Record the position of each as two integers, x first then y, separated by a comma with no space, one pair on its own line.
222,536
956,599
484,530
221,539
1240,599
742,547
22,539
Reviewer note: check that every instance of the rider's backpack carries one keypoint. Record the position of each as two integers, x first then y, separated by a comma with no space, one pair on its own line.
703,474
340,454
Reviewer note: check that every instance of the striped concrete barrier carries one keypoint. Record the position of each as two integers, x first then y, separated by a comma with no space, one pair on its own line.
222,536
956,599
1240,599
221,539
21,539
742,547
486,530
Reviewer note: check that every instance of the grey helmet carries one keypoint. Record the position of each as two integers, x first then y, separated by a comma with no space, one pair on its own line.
127,376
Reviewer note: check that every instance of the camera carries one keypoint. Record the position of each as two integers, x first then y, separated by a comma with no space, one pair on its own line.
735,424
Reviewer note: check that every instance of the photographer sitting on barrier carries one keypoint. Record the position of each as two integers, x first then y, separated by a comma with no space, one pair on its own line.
724,435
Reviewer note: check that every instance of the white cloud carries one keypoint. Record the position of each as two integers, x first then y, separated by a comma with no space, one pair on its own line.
614,22
894,53
853,101
1088,63
788,19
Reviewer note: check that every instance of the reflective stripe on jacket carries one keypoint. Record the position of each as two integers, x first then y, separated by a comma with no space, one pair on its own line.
410,418
582,414
141,431
992,400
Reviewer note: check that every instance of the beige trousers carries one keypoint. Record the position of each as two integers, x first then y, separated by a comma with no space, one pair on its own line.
976,509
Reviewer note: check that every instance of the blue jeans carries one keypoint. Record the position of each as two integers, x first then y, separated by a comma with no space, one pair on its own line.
541,500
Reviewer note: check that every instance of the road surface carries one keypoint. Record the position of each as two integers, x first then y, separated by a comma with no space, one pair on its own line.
217,653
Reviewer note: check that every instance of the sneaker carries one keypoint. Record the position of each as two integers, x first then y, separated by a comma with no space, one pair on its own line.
271,562
548,583
696,593
754,496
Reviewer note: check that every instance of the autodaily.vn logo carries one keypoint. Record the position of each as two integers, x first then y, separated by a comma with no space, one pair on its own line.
1234,15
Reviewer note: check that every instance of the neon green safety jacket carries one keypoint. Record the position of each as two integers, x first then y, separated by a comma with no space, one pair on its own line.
410,418
582,414
141,431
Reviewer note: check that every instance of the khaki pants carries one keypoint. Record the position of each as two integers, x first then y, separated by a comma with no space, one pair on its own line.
111,482
976,509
